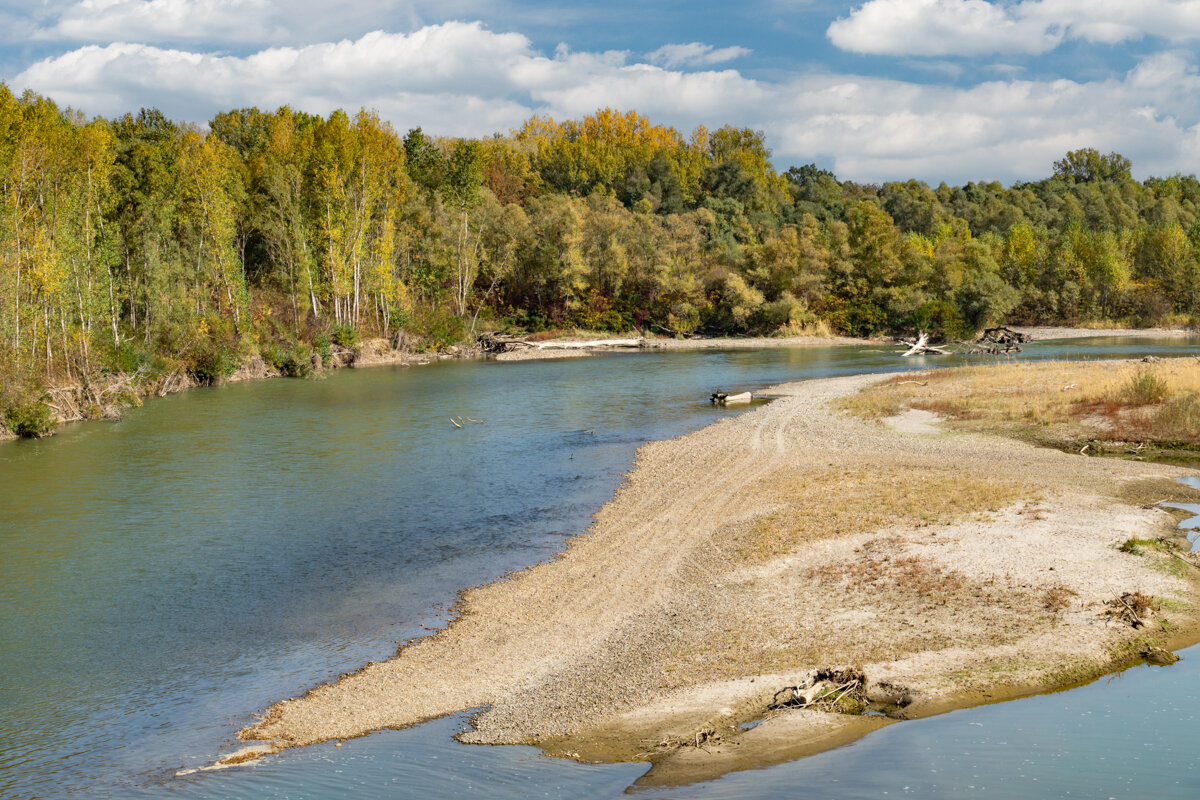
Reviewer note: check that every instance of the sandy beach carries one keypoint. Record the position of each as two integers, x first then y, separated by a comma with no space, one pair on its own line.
952,568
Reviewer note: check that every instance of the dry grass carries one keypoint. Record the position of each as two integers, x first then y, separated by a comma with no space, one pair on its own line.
835,502
883,571
1058,598
819,329
1157,403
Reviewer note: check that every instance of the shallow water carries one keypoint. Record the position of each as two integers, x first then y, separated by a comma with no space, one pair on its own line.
164,577
1192,526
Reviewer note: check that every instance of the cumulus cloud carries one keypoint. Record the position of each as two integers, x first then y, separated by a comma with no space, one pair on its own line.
463,79
694,54
235,21
978,27
938,28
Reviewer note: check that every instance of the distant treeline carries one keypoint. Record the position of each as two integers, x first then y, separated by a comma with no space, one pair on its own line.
136,242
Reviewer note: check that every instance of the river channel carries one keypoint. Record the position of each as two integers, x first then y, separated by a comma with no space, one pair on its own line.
164,577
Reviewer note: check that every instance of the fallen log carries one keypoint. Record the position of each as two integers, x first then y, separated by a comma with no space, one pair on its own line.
587,345
1000,340
720,398
503,343
921,346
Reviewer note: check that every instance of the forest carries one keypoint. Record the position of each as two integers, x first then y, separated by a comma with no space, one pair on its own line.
139,246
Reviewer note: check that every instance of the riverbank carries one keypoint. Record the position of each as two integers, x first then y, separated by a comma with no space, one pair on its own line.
954,568
75,402
636,343
108,397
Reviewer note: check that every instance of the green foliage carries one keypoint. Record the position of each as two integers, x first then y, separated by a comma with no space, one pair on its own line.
1088,165
28,418
132,358
942,321
292,359
129,244
436,329
1138,547
322,346
211,362
344,335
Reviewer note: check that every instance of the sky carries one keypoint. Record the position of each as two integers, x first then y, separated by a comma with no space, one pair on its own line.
938,90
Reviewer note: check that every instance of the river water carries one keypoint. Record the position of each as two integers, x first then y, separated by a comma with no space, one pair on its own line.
164,577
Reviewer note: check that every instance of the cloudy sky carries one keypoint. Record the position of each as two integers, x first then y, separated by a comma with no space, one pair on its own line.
935,89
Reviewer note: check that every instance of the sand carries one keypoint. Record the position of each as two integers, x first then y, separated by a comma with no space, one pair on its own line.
663,621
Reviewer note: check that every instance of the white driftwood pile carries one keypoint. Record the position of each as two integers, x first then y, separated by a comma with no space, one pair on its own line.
499,343
921,346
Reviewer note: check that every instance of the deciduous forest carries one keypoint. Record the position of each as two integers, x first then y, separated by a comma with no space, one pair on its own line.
138,246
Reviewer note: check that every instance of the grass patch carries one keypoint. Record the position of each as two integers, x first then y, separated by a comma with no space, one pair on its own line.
835,502
1059,403
1058,598
1138,547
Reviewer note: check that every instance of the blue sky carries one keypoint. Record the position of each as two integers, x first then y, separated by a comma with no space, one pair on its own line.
951,90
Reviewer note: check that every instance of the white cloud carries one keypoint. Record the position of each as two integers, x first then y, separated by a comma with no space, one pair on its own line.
462,79
938,28
977,27
237,21
694,54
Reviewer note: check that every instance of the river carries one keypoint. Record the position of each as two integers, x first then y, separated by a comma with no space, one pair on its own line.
164,577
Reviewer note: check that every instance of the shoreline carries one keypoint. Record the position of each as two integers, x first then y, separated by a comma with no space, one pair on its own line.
769,342
378,352
593,657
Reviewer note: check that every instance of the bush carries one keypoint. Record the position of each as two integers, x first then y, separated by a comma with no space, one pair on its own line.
942,321
323,346
296,362
1145,388
28,419
292,360
437,329
398,318
344,335
1178,419
129,358
211,363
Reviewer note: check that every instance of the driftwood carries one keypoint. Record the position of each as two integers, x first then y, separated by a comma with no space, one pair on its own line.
1130,607
921,346
720,398
824,689
502,343
995,341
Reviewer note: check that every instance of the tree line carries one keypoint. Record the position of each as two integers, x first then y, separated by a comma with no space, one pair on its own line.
138,243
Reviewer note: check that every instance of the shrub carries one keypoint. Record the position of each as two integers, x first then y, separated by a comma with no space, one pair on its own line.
28,419
1144,388
1178,419
292,360
211,363
437,329
128,357
398,318
296,362
344,335
323,346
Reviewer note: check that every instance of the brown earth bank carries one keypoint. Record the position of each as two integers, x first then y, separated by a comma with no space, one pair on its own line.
948,568
108,397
